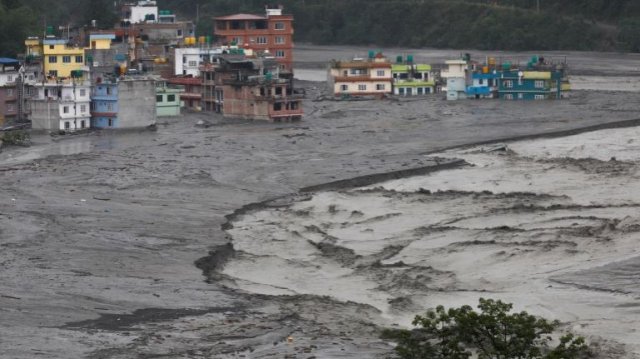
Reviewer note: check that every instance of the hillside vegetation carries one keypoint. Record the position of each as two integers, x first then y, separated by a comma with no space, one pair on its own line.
599,25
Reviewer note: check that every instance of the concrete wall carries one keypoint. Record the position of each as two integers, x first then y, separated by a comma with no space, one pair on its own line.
45,115
136,103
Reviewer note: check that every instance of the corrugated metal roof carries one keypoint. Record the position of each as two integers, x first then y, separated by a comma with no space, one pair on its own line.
8,61
241,17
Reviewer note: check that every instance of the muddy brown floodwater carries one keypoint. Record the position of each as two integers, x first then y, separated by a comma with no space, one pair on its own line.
119,244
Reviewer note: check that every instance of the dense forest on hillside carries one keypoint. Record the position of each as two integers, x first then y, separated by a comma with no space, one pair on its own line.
478,24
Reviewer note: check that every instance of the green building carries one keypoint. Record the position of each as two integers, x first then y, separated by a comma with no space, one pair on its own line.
168,100
412,79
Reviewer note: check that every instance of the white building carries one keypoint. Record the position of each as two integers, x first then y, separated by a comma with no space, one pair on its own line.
61,106
455,74
189,59
142,11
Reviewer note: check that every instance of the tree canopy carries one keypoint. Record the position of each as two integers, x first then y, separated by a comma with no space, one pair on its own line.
492,333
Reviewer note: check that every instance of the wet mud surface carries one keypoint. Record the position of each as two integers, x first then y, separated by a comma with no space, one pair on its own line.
122,225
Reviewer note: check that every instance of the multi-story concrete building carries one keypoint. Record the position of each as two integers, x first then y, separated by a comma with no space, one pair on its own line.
61,105
140,12
411,79
255,89
61,59
271,33
187,60
128,102
168,100
16,85
456,76
361,77
191,98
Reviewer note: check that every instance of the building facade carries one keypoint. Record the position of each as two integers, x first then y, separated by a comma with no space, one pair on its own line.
360,77
455,74
127,102
412,79
61,59
61,106
271,34
189,59
168,100
255,89
191,98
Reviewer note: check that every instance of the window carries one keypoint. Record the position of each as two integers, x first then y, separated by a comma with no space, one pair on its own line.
344,87
65,109
82,124
508,96
83,109
110,122
109,106
519,81
539,84
193,63
279,53
9,92
277,106
159,98
10,107
380,73
53,59
538,97
520,96
481,82
362,87
358,72
53,73
280,40
380,87
420,91
508,84
79,60
9,78
237,40
67,125
51,47
262,40
400,90
171,98
83,92
179,32
108,90
279,26
66,59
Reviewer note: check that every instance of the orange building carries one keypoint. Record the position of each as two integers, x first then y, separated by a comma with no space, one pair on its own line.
272,32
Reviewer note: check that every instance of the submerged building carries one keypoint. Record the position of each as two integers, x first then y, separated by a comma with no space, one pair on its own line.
254,89
61,106
361,77
411,79
128,102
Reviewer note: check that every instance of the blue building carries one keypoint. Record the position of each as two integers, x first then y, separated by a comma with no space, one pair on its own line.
484,85
128,102
530,85
104,105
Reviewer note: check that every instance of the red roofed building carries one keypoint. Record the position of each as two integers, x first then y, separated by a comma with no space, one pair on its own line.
272,32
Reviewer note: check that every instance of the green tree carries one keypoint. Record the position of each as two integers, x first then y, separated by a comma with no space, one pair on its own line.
492,333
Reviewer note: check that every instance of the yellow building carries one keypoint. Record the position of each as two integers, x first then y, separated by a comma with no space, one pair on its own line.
101,41
59,59
34,47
